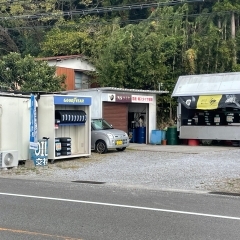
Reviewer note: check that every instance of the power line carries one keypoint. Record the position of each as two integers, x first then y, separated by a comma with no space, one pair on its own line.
97,23
99,10
15,2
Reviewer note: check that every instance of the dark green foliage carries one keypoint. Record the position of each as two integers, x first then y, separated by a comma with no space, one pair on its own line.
28,75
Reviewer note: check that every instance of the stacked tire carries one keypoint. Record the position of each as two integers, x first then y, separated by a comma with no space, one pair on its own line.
65,146
70,116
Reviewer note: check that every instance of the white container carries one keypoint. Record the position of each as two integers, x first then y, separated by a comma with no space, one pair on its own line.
15,124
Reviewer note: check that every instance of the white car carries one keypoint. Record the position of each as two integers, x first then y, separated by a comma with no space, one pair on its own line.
104,137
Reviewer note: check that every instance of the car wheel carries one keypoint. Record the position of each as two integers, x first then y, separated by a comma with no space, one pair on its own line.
121,149
101,147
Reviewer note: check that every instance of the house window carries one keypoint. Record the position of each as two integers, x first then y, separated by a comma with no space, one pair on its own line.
81,80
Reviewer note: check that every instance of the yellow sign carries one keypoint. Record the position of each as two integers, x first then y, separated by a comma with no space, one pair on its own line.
208,102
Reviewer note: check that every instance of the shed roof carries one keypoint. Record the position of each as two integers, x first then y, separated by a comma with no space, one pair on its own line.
13,94
113,89
207,84
59,58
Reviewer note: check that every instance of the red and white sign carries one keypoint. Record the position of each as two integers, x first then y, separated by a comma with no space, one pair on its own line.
129,98
142,99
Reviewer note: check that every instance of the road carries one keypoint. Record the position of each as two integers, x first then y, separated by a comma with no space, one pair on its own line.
33,209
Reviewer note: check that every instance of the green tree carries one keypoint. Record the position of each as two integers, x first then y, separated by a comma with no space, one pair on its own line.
27,75
229,22
72,37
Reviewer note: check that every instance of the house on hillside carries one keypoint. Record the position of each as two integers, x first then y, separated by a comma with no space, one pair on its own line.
77,70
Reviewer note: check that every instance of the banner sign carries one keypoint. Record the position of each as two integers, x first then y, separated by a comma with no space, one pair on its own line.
40,155
142,99
210,102
70,100
33,124
130,98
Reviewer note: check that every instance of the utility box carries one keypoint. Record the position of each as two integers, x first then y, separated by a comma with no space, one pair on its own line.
66,121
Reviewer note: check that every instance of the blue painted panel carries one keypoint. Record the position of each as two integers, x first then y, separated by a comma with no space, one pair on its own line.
33,123
72,100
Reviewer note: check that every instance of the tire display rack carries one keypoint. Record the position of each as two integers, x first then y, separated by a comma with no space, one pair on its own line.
65,117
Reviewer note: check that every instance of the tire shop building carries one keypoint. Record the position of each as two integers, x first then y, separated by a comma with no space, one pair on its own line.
125,109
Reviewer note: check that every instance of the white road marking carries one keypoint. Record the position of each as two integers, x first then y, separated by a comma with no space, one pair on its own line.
121,206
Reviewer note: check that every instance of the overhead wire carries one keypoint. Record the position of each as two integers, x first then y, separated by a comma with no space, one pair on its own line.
99,10
98,23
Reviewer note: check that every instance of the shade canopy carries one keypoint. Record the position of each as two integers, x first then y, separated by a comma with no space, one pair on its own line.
207,84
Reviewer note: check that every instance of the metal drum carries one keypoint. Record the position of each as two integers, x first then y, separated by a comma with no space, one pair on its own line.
141,135
172,135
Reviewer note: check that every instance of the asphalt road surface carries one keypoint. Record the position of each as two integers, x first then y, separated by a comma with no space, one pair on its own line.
68,210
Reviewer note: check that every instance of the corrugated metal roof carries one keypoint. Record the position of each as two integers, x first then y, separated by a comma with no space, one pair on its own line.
9,94
207,84
60,57
108,89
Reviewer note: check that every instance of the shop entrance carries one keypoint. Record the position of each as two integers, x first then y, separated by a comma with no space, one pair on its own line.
137,122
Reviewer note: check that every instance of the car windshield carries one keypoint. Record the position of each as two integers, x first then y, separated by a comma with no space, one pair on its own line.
100,124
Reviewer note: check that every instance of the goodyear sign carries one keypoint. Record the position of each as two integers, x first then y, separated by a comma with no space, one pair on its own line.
211,102
72,100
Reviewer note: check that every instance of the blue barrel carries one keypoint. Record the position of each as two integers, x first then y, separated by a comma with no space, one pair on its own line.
156,137
163,134
134,135
141,135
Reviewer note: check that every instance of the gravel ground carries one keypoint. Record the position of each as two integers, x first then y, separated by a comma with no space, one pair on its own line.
215,171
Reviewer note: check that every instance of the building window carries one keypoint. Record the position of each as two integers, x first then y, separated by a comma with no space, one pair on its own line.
81,80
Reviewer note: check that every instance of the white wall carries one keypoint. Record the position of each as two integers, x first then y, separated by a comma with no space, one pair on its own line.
15,125
152,116
76,63
96,107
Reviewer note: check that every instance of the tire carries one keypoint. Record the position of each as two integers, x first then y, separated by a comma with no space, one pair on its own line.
66,149
101,147
66,144
57,154
65,140
66,153
121,149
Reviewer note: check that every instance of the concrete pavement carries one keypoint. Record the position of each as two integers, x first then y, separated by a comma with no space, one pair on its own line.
180,148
